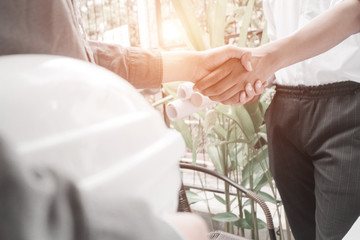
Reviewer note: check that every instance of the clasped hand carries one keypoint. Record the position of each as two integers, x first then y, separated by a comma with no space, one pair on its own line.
237,81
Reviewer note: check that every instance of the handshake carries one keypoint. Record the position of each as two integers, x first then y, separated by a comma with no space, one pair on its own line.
229,75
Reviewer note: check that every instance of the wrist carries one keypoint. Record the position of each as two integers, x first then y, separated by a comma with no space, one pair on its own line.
266,60
276,55
180,66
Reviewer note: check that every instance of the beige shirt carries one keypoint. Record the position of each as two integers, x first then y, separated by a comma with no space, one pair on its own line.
54,27
341,63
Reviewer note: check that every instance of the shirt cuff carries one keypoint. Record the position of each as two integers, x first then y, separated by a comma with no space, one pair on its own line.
142,68
145,68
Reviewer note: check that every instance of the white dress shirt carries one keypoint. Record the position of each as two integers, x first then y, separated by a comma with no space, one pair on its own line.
341,63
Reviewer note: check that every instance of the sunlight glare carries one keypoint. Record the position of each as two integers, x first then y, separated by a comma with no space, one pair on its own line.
172,32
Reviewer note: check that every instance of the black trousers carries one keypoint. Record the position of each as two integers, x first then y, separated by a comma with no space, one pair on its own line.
314,150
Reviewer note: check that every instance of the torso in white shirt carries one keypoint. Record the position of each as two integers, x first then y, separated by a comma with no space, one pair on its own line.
341,63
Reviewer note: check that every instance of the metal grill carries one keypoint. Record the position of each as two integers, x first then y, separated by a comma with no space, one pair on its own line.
111,21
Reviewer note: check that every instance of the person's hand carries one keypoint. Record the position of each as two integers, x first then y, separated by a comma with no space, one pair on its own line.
252,93
193,66
211,59
227,83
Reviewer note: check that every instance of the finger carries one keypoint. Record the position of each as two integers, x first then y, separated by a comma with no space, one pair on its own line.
217,83
243,98
265,84
253,100
240,99
240,86
222,54
249,90
228,93
237,99
212,78
233,100
260,86
246,61
247,100
223,88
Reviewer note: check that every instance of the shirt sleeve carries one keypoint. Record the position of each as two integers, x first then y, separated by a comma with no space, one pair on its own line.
269,14
142,68
40,27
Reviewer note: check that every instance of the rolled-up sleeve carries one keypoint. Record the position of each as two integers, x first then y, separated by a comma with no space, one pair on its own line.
142,68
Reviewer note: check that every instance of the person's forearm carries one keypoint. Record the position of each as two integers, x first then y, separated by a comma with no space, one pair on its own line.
179,66
140,67
193,66
321,34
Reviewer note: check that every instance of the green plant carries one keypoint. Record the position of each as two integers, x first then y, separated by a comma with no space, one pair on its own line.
235,137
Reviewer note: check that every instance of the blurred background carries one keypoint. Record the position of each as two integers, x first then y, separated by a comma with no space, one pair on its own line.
157,23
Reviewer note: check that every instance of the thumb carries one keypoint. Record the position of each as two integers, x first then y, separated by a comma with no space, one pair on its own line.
246,61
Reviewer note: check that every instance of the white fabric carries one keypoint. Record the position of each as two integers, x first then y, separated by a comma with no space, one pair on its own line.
353,233
341,63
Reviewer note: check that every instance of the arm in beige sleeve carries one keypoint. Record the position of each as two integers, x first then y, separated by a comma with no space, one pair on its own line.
142,68
149,69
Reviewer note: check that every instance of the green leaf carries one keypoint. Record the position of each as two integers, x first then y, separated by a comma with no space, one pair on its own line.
253,166
263,154
195,145
247,202
185,11
242,223
210,13
260,181
210,120
225,217
215,155
240,116
220,132
193,197
256,114
216,20
171,88
244,120
266,197
233,200
264,36
224,109
220,199
245,23
184,129
249,219
262,128
248,222
261,224
263,135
